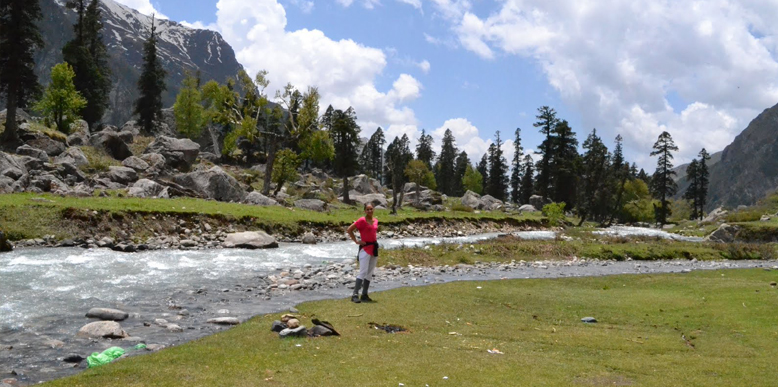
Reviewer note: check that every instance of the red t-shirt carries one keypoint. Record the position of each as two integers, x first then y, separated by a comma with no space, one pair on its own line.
368,233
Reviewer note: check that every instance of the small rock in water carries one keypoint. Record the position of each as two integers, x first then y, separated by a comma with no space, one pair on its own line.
73,358
224,320
107,314
589,320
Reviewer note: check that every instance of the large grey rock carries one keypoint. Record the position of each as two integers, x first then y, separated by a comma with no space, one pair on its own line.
72,155
107,314
122,175
311,204
715,215
104,329
6,184
375,199
258,199
27,150
79,134
491,203
213,184
145,188
48,183
309,239
472,200
111,143
527,208
726,233
179,153
131,126
250,240
537,201
224,320
136,163
47,144
9,161
364,185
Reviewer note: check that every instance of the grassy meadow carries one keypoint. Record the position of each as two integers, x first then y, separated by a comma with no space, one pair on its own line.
705,328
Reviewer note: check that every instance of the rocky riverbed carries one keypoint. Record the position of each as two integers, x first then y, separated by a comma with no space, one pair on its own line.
37,351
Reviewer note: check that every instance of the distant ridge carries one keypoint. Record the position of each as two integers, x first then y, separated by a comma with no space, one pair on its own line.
124,31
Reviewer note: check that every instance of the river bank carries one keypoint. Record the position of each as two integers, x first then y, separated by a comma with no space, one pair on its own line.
236,285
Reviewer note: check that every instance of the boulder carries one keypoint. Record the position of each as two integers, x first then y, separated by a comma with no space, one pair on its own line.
4,244
105,329
715,215
9,161
131,126
179,153
296,332
122,175
250,240
472,200
309,238
136,163
311,204
527,208
376,199
72,155
145,188
258,199
107,314
111,143
6,184
47,144
126,136
364,185
726,233
491,203
537,201
27,150
212,184
48,183
79,134
71,172
208,156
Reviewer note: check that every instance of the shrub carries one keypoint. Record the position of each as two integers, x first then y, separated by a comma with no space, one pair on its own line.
99,161
458,206
555,212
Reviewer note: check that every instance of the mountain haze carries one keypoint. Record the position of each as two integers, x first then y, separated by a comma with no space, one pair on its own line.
124,31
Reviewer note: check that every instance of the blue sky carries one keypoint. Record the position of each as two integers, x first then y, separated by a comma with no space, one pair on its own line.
700,70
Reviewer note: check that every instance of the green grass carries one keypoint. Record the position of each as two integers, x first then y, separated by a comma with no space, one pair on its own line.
26,215
507,249
712,328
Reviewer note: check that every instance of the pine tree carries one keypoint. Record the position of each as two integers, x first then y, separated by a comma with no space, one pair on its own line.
702,196
662,182
424,150
620,173
19,37
692,192
398,155
345,136
460,168
527,179
371,159
564,165
518,154
594,190
444,175
87,54
498,170
151,84
547,122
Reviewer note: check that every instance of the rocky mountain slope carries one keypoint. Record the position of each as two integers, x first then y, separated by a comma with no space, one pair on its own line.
748,169
124,30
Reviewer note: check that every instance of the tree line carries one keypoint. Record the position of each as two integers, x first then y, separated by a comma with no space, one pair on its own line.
286,133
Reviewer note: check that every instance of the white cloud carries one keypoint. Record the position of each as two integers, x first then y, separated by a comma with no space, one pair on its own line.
424,66
305,6
467,137
345,71
144,7
200,25
414,3
368,4
616,62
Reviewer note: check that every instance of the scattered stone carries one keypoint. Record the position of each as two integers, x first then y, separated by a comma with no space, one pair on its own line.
309,238
311,204
589,320
104,329
293,323
179,153
278,326
107,314
224,321
73,358
300,331
250,240
174,328
54,343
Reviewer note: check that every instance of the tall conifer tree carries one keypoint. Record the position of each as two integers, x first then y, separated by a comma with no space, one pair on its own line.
547,122
371,159
498,170
692,192
444,169
151,84
518,154
662,182
460,168
424,150
345,137
527,180
702,195
564,164
19,37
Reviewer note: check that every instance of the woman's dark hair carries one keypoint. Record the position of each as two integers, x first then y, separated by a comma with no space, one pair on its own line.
364,207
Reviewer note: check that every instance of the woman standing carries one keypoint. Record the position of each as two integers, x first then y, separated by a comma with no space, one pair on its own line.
368,252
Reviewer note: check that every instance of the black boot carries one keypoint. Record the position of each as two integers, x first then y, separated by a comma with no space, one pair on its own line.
357,286
365,298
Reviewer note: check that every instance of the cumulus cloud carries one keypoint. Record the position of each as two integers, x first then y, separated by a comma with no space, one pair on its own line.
424,66
345,71
617,62
467,136
144,7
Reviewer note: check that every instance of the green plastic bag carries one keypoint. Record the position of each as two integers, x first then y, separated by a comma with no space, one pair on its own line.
109,355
